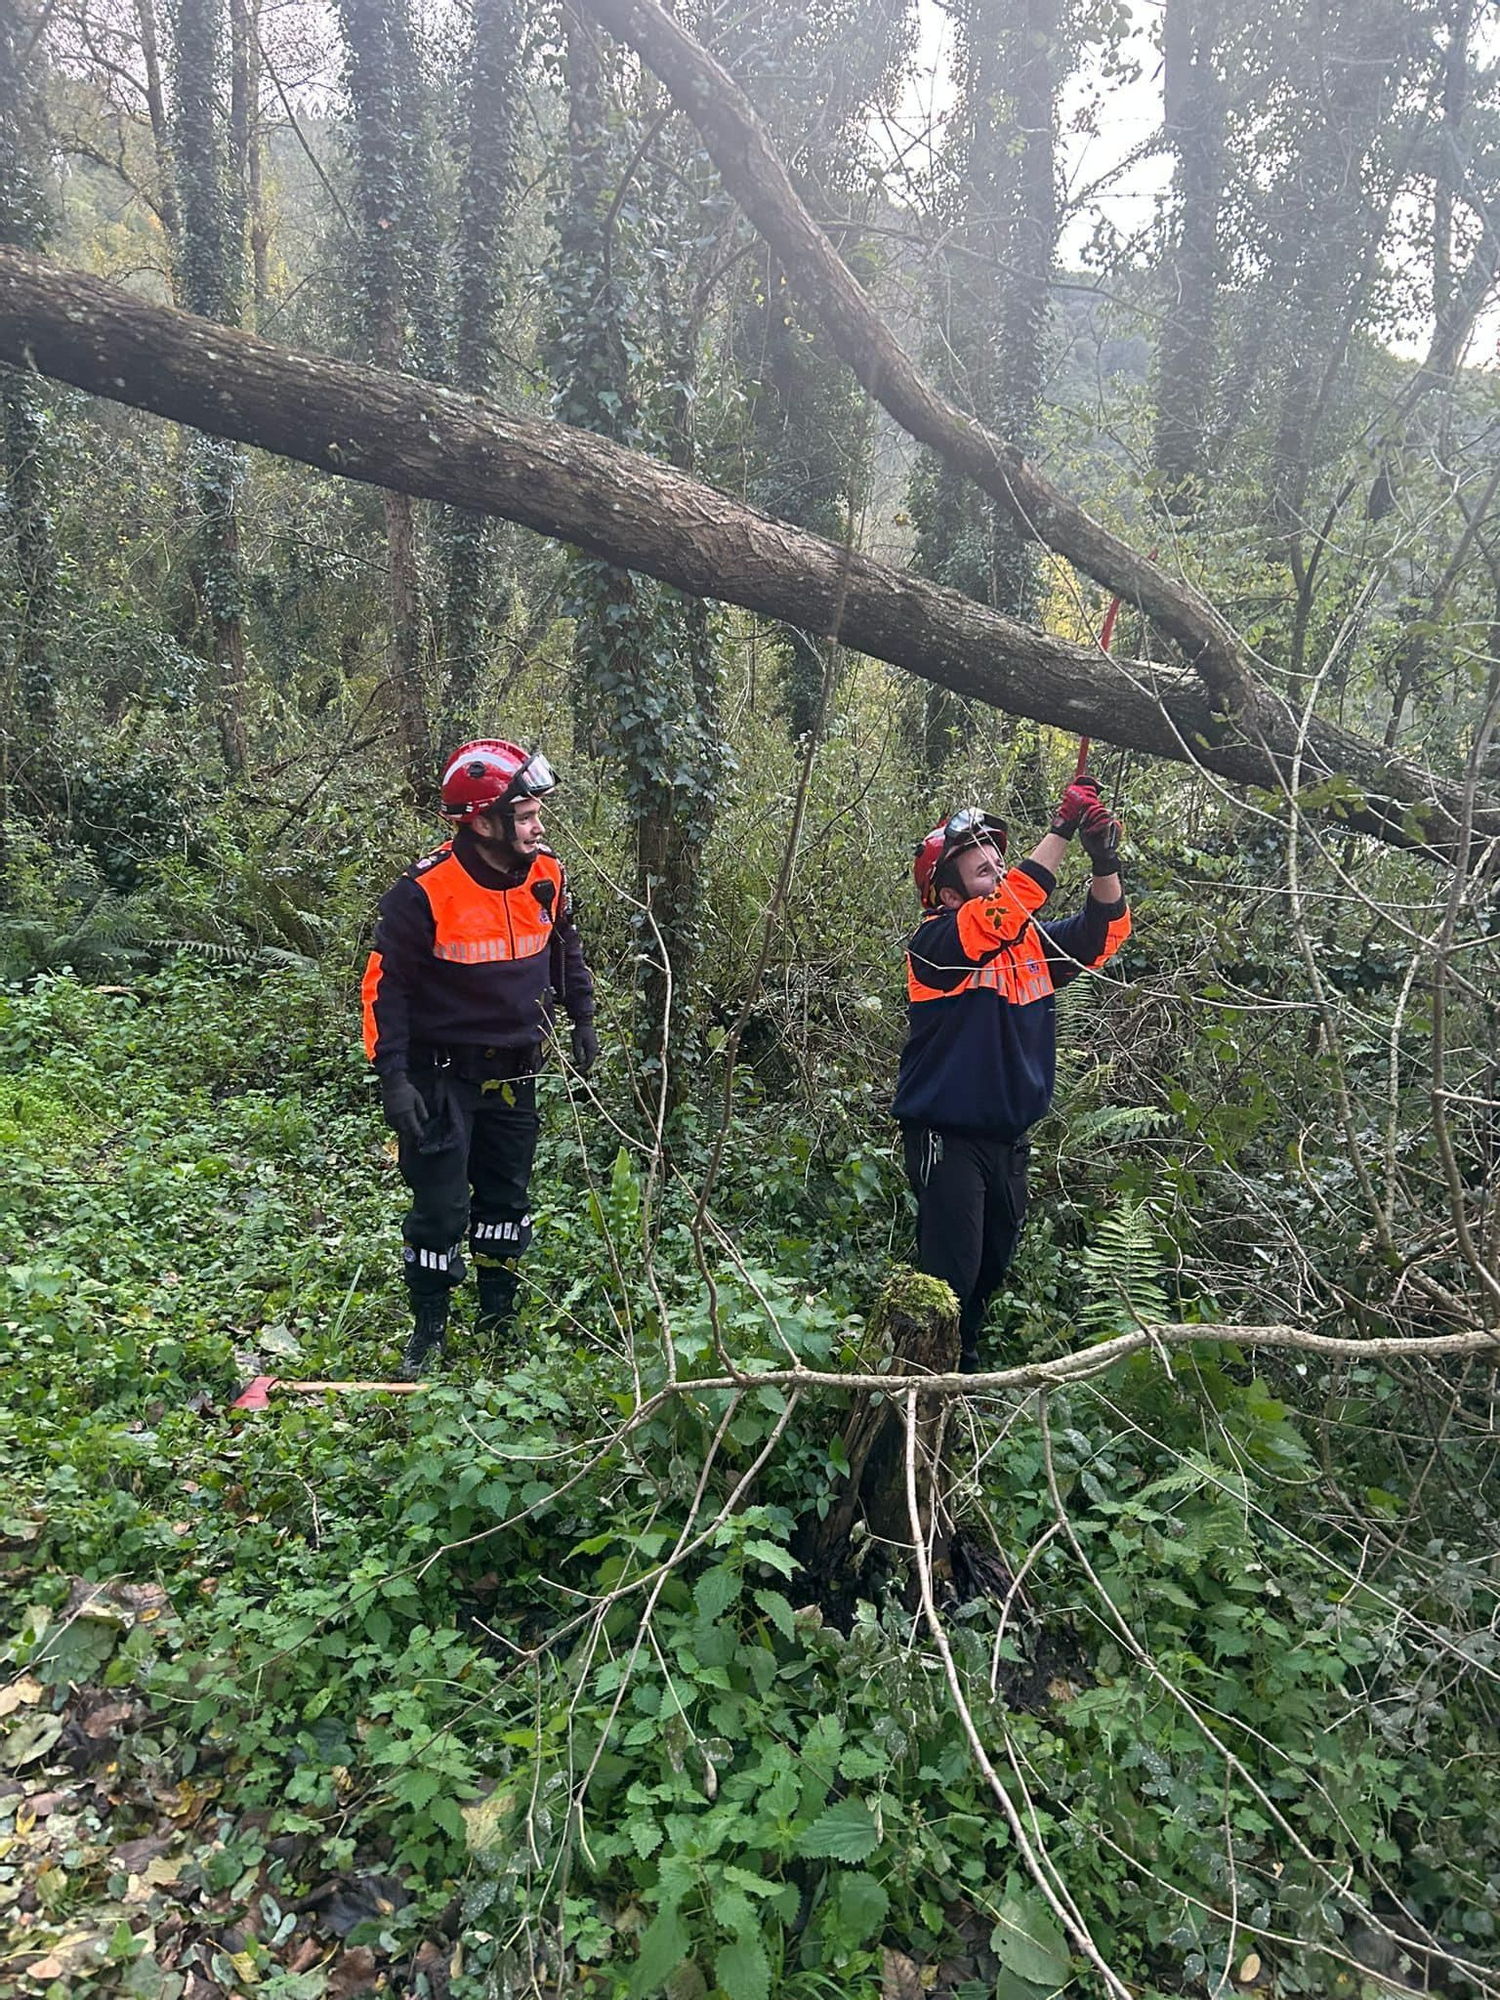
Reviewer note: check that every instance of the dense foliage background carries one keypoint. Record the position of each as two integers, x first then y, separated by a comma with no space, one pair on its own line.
518,1685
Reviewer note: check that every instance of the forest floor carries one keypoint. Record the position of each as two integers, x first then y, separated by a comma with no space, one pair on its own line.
247,1743
510,1686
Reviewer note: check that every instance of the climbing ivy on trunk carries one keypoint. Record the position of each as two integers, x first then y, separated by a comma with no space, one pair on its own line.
208,275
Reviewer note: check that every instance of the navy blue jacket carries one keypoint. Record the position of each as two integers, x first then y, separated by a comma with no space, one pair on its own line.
467,957
981,1054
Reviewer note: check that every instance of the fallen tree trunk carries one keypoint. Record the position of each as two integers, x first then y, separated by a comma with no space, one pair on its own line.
396,431
753,173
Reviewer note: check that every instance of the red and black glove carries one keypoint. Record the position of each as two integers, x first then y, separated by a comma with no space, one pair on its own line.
1100,834
1071,807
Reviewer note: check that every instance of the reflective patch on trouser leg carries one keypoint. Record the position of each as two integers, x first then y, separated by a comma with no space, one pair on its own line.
499,1242
433,1270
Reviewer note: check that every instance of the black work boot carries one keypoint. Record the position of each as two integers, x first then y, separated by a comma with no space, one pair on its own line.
497,1302
424,1344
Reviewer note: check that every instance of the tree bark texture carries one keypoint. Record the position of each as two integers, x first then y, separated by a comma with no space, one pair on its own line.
156,108
209,253
486,193
400,432
24,402
915,1323
1028,37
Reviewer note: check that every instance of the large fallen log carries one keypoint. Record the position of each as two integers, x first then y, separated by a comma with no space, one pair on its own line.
396,431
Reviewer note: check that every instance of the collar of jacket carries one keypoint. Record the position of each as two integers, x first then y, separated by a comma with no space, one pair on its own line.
469,853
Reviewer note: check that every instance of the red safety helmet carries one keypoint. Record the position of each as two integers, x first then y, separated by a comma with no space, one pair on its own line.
492,773
967,828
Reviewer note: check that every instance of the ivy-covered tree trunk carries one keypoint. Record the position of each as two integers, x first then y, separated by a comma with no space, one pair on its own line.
993,308
815,70
25,414
1019,184
682,805
210,248
806,448
1186,359
1330,211
643,659
485,196
391,191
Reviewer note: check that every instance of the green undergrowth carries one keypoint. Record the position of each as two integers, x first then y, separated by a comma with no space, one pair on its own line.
560,1676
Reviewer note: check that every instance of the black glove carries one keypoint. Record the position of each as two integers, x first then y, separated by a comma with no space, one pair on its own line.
585,1046
404,1110
1100,834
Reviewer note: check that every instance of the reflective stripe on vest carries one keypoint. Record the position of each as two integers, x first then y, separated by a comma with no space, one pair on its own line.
1019,972
473,925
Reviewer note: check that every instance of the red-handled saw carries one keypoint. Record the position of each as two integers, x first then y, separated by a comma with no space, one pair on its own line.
1106,640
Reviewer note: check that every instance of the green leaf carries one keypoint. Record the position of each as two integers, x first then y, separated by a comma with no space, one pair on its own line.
716,1590
33,1737
845,1831
1027,1942
743,1970
779,1611
862,1906
772,1553
733,1912
417,1786
664,1945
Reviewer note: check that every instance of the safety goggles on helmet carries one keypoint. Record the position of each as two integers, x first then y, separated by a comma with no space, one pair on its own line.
532,780
969,827
490,774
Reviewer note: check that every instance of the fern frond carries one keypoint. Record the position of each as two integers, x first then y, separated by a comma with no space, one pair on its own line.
1120,1267
1117,1123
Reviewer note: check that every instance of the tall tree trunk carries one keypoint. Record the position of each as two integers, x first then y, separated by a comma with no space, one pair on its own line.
209,254
156,110
255,146
1030,44
633,698
380,70
24,416
486,194
1335,209
994,310
1186,357
589,367
679,810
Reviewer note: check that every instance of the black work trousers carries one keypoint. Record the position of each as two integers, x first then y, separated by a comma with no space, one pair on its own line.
971,1203
469,1176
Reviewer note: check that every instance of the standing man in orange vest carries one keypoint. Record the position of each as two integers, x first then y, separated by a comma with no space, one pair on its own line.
474,948
979,1065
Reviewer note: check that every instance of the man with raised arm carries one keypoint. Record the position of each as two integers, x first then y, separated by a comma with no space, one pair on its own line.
980,1059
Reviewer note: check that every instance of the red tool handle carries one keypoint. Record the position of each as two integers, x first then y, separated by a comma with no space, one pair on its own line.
1106,638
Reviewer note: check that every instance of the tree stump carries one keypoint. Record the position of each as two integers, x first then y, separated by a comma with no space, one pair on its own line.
913,1329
